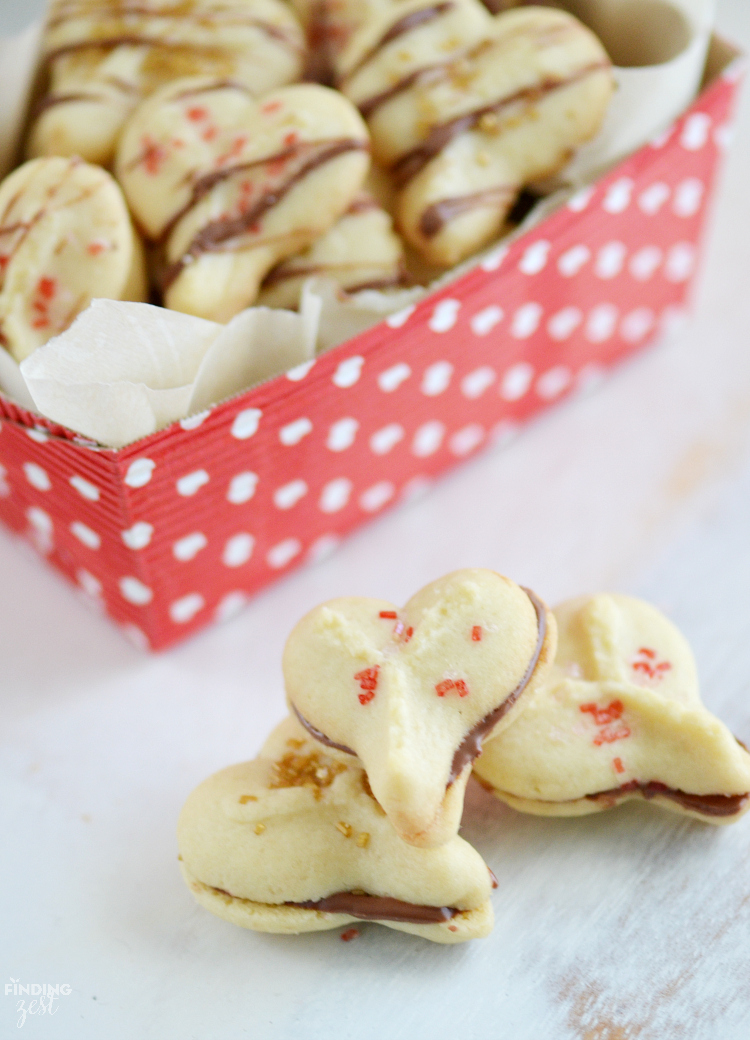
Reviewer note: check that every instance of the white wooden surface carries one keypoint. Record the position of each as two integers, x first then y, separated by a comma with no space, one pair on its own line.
633,925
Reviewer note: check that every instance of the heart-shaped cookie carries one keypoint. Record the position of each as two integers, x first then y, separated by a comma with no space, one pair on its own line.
361,251
65,238
104,56
295,842
414,692
228,185
465,109
619,717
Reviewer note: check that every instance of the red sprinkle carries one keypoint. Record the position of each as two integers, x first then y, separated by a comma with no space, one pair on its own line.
270,107
95,248
388,614
604,715
647,652
409,634
609,736
476,633
368,683
459,685
197,113
46,288
290,138
452,928
40,323
648,666
4,261
619,767
153,154
349,934
209,133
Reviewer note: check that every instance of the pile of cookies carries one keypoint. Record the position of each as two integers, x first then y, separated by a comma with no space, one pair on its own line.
352,809
180,152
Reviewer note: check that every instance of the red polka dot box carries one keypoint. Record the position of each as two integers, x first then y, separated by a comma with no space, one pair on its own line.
181,528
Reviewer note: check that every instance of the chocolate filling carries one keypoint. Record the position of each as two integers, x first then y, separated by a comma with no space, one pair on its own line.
471,746
440,136
399,28
214,236
706,804
378,908
436,216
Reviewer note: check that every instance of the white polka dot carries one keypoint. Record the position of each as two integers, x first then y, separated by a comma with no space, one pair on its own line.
85,535
477,382
516,381
335,495
187,548
37,476
415,489
581,199
688,197
289,494
283,553
552,383
601,323
246,423
618,195
653,198
242,488
392,378
138,536
37,434
385,439
231,605
504,432
494,259
400,318
535,258
139,473
238,549
134,591
194,421
645,263
85,488
323,547
437,378
445,316
39,519
89,583
695,131
485,320
295,431
636,325
348,372
428,439
136,636
526,320
466,439
572,260
185,608
296,374
610,260
191,483
342,434
680,262
564,323
376,496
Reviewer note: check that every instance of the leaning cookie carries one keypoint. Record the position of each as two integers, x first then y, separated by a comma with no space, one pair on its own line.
415,691
361,251
226,185
619,718
65,238
295,842
466,114
103,57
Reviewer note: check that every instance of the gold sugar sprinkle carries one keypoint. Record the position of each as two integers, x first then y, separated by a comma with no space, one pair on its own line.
295,743
363,840
488,122
315,771
345,828
245,798
259,828
180,857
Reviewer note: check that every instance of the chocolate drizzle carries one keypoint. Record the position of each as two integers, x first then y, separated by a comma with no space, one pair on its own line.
436,216
441,135
410,21
471,746
378,908
216,235
706,804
